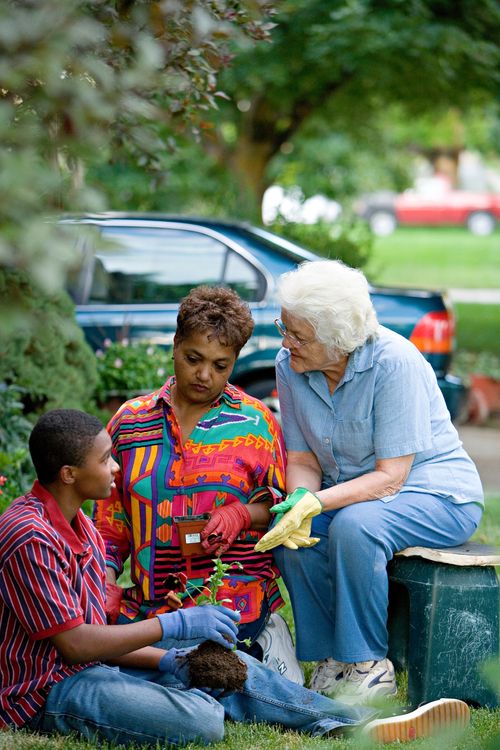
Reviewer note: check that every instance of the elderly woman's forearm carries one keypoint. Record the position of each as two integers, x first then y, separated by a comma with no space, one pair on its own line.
388,478
302,476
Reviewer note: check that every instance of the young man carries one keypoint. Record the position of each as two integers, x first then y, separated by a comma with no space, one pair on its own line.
53,636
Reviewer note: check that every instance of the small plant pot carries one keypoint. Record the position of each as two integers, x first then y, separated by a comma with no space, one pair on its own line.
189,530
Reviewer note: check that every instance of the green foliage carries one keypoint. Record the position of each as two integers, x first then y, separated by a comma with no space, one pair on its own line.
348,240
16,469
127,369
43,349
88,77
212,584
466,363
336,65
338,103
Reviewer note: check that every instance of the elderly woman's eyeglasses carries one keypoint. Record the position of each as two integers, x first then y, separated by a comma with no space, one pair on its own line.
284,332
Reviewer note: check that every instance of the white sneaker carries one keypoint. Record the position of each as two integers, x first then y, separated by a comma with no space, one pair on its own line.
364,681
279,652
326,676
427,720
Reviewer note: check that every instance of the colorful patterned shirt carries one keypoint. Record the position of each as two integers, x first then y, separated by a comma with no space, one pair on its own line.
234,454
52,579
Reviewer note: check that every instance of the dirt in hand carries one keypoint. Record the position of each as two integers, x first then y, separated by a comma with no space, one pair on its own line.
213,666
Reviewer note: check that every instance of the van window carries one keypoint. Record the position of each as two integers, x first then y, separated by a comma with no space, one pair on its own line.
135,265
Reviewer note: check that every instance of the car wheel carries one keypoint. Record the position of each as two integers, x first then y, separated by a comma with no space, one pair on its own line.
382,223
265,390
481,223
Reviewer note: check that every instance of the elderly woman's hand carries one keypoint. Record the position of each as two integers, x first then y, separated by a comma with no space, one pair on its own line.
302,537
300,505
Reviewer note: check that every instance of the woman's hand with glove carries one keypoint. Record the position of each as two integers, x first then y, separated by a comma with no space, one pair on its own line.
301,537
225,524
208,623
291,528
114,595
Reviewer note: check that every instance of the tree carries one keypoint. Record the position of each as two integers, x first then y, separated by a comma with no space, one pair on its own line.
341,62
80,78
91,76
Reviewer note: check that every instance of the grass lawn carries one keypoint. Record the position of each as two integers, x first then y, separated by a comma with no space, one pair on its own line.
478,327
483,734
438,258
444,259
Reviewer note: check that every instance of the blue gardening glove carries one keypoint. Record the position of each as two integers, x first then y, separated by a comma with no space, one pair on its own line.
209,622
290,530
175,662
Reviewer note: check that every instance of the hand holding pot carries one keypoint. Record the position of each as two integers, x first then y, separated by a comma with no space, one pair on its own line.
225,524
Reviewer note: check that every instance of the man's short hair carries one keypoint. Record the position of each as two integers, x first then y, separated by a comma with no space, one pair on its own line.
61,437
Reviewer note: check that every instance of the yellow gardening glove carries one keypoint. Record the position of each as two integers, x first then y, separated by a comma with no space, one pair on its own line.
302,537
300,505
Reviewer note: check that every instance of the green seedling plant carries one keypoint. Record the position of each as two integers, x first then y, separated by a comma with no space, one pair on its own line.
208,595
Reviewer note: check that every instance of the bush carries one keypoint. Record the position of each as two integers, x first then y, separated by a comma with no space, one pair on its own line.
128,369
349,240
16,469
466,363
43,349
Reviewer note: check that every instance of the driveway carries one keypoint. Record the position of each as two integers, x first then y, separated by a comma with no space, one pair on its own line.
483,446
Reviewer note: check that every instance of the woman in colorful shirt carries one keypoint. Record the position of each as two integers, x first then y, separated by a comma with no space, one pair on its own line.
197,445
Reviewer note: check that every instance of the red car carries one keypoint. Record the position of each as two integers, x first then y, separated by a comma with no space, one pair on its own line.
438,206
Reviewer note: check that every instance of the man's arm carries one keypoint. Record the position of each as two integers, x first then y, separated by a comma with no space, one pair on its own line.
106,642
144,658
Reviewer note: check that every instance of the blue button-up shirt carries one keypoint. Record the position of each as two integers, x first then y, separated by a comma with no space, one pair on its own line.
387,404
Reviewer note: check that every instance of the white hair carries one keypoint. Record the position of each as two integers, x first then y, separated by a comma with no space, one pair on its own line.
334,299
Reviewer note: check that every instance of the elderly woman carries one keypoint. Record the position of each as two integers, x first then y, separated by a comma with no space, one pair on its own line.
199,445
373,460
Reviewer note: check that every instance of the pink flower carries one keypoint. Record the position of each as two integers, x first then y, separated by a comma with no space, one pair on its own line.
118,362
107,343
2,480
99,353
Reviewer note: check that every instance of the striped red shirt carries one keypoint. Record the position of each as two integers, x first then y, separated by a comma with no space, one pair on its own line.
51,580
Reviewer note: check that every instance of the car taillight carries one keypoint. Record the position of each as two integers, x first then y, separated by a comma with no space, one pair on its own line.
434,333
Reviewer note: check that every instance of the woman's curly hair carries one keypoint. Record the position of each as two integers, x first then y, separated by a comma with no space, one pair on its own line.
218,310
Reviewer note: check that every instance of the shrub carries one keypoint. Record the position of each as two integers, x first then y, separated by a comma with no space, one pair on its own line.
128,369
43,349
466,363
16,469
349,240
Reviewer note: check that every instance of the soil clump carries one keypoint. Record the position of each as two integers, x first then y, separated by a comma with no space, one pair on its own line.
213,666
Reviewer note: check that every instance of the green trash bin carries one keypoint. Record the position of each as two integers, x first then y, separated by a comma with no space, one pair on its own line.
443,625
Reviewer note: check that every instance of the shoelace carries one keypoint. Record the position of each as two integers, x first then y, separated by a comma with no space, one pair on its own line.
352,673
325,672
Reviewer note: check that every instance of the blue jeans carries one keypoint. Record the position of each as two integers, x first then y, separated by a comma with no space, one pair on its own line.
146,706
339,588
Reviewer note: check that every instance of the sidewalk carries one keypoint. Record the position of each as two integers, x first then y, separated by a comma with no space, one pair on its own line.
481,296
483,446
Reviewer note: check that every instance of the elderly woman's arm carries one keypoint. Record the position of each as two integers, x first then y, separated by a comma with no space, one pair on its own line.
387,479
302,470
